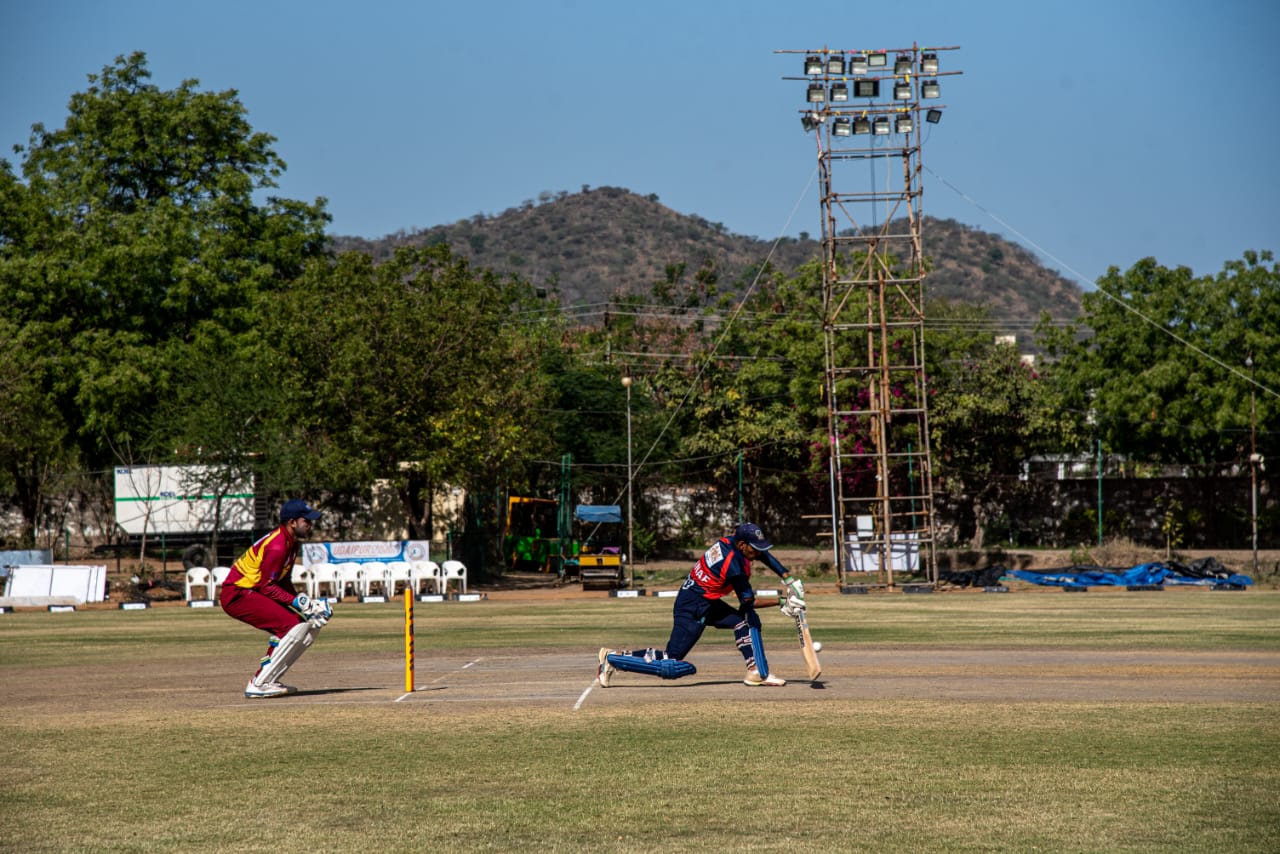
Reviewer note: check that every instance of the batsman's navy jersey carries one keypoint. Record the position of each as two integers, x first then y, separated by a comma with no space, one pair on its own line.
723,569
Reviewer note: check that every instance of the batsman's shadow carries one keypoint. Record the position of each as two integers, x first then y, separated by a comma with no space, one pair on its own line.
320,692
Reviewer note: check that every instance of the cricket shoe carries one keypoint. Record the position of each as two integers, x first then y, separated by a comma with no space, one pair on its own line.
754,678
253,691
606,670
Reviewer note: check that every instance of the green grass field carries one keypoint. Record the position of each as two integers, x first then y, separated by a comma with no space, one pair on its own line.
125,731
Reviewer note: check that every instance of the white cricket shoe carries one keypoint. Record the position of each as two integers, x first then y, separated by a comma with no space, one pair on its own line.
606,670
754,678
272,689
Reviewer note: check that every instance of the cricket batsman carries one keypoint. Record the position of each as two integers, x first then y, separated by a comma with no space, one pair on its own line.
725,567
259,591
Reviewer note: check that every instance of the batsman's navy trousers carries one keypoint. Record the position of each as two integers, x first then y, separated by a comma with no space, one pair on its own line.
693,612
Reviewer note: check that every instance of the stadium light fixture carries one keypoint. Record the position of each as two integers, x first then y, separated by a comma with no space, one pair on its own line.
880,127
878,59
933,116
839,91
835,64
929,63
813,64
930,89
866,88
903,124
817,93
842,127
861,125
858,64
902,65
902,91
809,121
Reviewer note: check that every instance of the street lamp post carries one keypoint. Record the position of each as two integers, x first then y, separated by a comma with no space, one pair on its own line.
631,573
1253,457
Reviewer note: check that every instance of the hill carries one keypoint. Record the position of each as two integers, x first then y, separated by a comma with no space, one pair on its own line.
589,245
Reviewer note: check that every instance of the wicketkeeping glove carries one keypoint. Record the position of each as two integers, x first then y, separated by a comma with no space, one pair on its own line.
319,612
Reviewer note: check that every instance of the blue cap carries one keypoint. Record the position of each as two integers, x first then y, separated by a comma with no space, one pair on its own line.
751,535
296,508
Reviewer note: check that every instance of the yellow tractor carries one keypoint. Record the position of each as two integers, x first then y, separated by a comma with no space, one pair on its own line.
595,555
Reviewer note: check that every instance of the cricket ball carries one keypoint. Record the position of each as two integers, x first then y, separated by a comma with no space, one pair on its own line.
817,646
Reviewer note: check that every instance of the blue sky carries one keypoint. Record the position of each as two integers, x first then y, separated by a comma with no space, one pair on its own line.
1094,133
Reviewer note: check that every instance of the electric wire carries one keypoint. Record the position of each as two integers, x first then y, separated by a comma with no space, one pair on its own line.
1231,369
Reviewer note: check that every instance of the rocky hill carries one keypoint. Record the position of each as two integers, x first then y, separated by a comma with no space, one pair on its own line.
587,246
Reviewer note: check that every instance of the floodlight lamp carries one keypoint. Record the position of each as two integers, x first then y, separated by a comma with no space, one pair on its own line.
866,88
903,124
879,59
929,63
861,125
809,121
813,64
880,127
933,116
902,65
835,64
817,93
902,91
839,91
842,127
858,64
930,89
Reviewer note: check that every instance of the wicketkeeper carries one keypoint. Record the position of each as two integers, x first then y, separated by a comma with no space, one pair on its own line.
259,591
723,568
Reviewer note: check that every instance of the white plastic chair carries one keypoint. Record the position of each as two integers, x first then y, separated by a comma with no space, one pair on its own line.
454,571
398,572
325,582
220,574
375,573
352,574
428,574
200,576
301,578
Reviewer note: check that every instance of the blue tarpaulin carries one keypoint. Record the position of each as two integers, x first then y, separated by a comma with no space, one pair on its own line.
1145,574
598,513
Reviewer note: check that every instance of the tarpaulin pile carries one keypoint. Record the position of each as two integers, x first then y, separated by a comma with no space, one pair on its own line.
1206,572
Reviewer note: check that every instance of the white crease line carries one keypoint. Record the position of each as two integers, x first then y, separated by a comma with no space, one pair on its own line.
583,697
442,676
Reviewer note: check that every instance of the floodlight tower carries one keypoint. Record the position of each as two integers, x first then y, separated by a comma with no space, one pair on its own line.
864,108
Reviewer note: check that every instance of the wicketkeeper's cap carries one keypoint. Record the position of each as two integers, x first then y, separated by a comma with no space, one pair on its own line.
296,508
751,535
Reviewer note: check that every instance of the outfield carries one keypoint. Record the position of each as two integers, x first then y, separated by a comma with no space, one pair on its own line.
1035,720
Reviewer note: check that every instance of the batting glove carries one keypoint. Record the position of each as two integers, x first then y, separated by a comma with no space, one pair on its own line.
302,604
795,597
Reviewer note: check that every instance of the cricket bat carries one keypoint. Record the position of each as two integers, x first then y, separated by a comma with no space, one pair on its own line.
806,646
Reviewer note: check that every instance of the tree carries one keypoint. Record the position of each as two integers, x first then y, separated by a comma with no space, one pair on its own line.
416,371
133,231
1159,365
989,412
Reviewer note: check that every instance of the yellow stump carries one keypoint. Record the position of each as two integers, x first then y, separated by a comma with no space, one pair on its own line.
408,641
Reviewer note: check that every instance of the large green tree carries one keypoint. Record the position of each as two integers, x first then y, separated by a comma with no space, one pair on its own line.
990,411
1160,361
419,371
134,231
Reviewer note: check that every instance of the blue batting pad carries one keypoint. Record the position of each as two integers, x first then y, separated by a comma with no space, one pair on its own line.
757,649
667,668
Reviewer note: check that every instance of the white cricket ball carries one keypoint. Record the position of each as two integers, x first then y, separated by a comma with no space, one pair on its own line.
817,646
